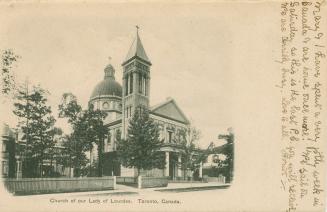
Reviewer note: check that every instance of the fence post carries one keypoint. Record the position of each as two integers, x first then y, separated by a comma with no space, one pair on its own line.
139,182
115,181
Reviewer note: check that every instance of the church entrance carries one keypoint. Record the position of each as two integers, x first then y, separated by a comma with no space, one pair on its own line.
111,166
173,165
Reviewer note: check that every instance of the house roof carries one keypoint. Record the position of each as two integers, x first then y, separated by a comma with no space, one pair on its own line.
170,109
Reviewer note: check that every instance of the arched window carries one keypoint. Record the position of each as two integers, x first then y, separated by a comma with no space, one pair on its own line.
131,84
126,85
140,82
145,86
105,105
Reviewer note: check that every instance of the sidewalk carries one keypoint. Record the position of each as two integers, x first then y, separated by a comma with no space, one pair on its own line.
187,187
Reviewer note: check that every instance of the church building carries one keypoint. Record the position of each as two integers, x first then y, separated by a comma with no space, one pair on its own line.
120,101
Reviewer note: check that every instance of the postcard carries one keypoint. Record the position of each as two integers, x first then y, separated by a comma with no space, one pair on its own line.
163,105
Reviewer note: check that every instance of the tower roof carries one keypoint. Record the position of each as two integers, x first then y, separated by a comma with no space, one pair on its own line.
136,50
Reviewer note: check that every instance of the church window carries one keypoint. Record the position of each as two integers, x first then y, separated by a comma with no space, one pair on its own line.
140,83
131,84
105,105
126,85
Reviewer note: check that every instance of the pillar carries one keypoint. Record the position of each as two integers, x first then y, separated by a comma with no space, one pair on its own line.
148,86
179,170
115,183
19,169
143,82
139,182
167,164
200,170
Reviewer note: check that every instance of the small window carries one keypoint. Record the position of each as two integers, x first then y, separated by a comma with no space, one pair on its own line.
105,105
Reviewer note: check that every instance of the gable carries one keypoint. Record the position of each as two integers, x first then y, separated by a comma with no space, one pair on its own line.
170,109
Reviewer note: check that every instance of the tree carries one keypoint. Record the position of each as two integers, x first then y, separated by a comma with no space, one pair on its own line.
8,58
73,155
52,152
140,149
97,132
227,165
191,154
87,125
36,123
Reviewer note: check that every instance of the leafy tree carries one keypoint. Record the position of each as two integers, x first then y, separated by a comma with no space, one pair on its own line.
87,125
140,149
227,165
191,154
97,132
52,152
8,58
36,123
73,155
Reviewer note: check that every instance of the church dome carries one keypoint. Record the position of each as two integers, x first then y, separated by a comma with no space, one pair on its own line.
108,86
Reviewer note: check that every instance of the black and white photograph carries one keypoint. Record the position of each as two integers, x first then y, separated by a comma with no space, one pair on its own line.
163,106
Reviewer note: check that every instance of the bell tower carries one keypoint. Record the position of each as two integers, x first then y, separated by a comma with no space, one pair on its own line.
136,81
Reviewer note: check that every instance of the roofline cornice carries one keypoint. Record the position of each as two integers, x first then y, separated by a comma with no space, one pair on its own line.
104,97
136,57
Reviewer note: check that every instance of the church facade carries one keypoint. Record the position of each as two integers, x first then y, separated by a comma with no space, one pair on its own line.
120,102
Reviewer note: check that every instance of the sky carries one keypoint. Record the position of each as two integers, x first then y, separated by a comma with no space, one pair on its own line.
65,49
